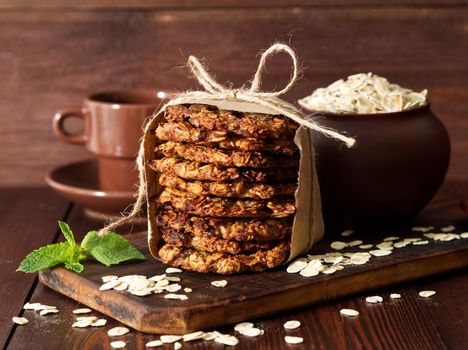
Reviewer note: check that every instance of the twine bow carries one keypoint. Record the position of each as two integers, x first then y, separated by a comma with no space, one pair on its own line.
217,91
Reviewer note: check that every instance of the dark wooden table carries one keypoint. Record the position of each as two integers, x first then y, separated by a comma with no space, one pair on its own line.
28,219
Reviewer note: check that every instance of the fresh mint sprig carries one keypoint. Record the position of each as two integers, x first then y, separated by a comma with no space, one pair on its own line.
109,250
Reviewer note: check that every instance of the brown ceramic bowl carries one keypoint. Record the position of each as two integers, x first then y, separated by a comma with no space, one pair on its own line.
398,164
79,182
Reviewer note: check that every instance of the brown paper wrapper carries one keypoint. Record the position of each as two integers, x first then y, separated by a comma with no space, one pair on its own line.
308,222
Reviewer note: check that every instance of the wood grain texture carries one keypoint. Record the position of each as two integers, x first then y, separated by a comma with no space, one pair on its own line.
163,4
408,323
42,209
51,59
247,296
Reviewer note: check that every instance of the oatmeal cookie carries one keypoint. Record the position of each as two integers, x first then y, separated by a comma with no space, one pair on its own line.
224,263
223,157
231,189
226,207
245,124
209,172
185,132
208,244
230,229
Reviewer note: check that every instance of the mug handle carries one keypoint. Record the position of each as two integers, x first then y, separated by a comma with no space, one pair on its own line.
59,121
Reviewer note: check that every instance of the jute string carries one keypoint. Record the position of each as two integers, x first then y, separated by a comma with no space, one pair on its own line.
219,92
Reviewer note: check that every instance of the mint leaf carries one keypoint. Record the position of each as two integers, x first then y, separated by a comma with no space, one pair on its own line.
67,232
45,257
74,266
110,249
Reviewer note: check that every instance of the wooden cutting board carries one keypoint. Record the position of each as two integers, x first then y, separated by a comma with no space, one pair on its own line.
248,296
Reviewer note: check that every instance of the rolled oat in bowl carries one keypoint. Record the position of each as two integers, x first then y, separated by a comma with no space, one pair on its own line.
363,93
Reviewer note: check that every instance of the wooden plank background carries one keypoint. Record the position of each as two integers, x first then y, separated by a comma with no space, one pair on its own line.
52,56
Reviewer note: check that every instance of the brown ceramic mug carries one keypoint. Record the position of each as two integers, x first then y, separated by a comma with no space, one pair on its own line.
113,123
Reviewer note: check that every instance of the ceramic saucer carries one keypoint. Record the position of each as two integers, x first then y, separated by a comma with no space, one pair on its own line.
79,182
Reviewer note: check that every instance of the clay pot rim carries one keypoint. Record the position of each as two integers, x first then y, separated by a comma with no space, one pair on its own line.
369,115
151,92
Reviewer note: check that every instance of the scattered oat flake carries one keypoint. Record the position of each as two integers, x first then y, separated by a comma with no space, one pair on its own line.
250,331
177,346
395,296
173,287
347,233
121,287
329,270
209,336
117,331
172,279
349,312
109,278
84,310
82,324
293,324
385,245
464,235
427,293
109,285
99,323
188,290
380,252
227,339
401,244
45,307
157,278
119,344
243,325
154,344
359,260
293,340
422,228
355,243
20,320
193,336
173,270
338,245
31,306
86,318
449,228
141,292
391,238
374,299
162,283
296,266
168,339
420,242
412,239
176,296
309,272
219,284
366,246
48,311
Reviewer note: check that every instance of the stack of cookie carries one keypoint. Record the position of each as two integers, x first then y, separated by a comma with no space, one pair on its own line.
228,179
